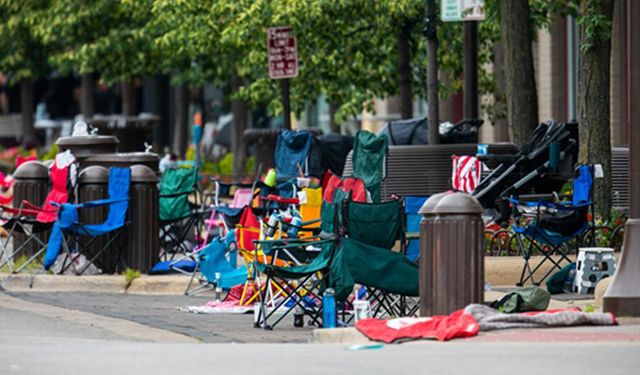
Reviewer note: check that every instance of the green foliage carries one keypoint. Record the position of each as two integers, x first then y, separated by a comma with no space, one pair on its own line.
50,154
22,55
129,275
107,36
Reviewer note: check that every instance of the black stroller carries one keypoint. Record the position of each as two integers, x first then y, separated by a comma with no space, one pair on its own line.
541,166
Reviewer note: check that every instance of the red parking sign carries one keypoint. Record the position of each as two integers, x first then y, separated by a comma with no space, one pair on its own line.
282,49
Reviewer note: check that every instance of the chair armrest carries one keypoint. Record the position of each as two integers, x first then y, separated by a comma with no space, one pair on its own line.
174,195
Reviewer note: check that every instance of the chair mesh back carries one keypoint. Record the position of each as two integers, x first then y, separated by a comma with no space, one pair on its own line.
292,150
376,224
582,185
175,186
119,182
369,152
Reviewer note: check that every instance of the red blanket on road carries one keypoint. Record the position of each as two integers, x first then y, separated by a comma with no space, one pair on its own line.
471,320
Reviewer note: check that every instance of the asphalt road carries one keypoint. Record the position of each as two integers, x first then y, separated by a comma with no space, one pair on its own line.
162,312
38,338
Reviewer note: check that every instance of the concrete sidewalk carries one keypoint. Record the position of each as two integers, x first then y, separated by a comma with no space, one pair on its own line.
498,271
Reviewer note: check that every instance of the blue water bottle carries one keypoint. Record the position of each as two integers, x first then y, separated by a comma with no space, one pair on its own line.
294,226
329,309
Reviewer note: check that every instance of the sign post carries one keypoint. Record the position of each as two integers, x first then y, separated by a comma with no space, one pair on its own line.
469,11
282,49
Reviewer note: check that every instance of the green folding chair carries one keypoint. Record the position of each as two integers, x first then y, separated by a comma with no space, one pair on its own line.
178,215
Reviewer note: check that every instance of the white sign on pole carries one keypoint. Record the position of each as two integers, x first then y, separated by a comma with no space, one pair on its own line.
282,50
462,10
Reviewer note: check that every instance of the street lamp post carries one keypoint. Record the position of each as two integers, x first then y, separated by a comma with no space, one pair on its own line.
622,298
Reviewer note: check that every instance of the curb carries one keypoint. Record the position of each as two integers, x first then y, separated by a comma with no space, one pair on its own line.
498,271
160,285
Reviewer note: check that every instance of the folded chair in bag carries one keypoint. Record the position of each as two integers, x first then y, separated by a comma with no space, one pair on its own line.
34,221
553,227
70,234
178,216
369,159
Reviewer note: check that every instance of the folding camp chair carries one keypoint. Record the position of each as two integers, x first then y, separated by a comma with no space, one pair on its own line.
369,161
216,269
178,216
292,153
551,226
69,233
33,221
377,228
412,205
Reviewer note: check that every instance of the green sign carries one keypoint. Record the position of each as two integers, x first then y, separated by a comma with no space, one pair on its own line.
451,10
462,10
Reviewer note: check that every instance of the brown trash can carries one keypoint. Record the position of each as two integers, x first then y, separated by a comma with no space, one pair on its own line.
93,184
451,253
31,184
143,246
125,159
84,146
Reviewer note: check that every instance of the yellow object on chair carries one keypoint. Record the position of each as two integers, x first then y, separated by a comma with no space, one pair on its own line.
310,210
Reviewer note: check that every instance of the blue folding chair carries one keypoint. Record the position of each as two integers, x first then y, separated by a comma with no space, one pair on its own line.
292,153
551,226
412,205
68,232
213,269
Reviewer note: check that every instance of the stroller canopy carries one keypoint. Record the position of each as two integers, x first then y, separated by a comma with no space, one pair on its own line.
407,132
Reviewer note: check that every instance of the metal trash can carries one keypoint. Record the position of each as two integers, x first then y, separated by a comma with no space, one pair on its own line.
143,242
84,146
451,253
127,159
93,184
31,184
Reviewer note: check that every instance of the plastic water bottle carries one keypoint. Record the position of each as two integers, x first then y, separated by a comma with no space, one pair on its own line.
218,287
567,287
294,226
298,317
329,309
271,224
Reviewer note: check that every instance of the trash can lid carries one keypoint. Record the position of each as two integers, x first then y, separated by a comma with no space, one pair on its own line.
86,140
125,157
431,203
142,173
32,169
94,174
458,203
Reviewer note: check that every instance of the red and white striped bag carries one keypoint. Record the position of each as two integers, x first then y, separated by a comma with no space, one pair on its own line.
466,171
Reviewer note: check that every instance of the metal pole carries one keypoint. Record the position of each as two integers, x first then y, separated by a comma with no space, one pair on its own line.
470,70
572,66
286,104
623,295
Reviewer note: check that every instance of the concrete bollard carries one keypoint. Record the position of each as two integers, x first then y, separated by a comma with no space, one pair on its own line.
31,184
143,243
451,253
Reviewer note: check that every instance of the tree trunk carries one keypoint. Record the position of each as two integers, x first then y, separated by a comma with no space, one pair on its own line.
181,127
404,70
129,99
239,111
333,124
87,101
522,100
29,138
432,73
500,124
593,99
